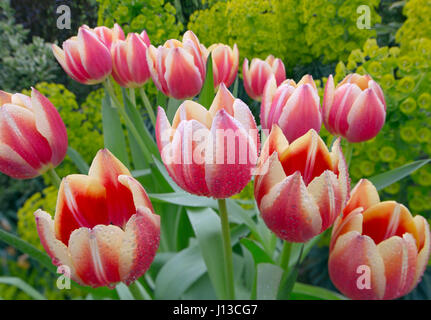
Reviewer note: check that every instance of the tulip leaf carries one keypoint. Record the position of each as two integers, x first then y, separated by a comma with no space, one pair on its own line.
288,279
206,96
259,255
113,133
179,273
268,280
29,249
161,100
184,199
303,291
77,159
124,292
385,179
161,168
173,105
207,227
235,87
25,287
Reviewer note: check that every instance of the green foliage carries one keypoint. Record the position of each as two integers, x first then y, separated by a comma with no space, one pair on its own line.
157,17
83,123
21,64
404,74
296,31
418,23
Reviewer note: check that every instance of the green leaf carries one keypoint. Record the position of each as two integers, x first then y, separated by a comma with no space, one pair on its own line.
207,227
20,284
385,179
162,170
259,255
306,291
113,133
29,249
289,278
141,173
179,273
206,96
161,100
184,199
124,292
77,159
235,87
268,280
173,105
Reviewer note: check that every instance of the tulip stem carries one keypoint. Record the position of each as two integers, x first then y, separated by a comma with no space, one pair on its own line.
348,153
53,176
138,291
227,249
132,96
148,106
108,87
285,255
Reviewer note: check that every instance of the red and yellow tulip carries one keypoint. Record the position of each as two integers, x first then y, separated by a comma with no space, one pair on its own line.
178,68
129,60
225,63
295,108
33,136
355,109
104,228
209,152
258,73
85,58
382,237
300,188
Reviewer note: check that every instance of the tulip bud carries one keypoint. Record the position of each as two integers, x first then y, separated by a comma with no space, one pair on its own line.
295,108
225,64
258,74
33,137
109,36
84,58
300,188
378,250
104,228
178,68
355,109
209,152
129,60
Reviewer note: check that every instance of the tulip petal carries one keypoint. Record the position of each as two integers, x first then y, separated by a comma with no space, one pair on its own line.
340,167
50,125
140,243
13,165
223,100
345,224
106,168
399,256
352,251
364,195
190,110
56,249
140,196
95,254
276,142
328,100
290,212
267,98
424,246
232,156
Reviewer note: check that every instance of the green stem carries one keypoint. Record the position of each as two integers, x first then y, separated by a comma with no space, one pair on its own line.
227,249
148,106
108,87
53,176
285,255
138,291
349,152
132,96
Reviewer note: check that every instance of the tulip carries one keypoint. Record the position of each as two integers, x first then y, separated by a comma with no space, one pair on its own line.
225,64
104,229
178,68
129,60
258,74
109,36
381,237
300,188
295,108
355,109
209,152
84,58
33,137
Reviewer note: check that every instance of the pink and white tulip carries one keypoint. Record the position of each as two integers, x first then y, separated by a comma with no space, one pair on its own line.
378,250
85,58
355,109
295,108
259,72
129,60
109,36
300,188
33,137
178,68
104,228
225,63
209,152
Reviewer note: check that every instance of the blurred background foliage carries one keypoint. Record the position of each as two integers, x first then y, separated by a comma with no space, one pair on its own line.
311,36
